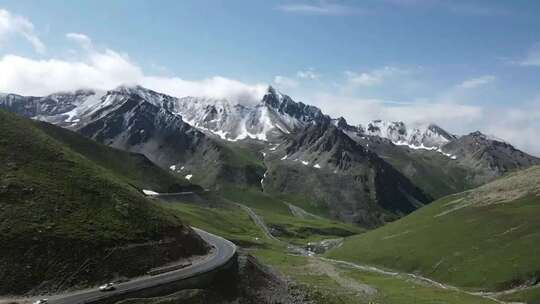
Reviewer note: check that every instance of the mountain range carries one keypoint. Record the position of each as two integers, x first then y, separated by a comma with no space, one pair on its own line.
366,175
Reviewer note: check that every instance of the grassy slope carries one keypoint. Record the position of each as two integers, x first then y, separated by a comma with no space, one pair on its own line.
434,173
277,215
60,211
135,168
232,222
232,164
492,246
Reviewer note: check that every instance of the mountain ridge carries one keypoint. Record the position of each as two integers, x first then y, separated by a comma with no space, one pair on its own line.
216,142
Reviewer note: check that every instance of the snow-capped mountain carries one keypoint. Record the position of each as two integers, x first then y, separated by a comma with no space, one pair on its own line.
195,137
43,108
425,136
276,113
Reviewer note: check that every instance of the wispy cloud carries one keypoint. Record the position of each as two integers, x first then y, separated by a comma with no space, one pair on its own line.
363,110
11,24
476,82
373,77
81,39
308,74
285,82
328,8
532,58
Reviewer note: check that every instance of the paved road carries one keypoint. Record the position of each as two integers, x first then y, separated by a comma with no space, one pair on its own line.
224,251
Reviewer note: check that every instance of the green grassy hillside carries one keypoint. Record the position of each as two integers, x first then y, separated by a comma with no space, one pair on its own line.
68,219
487,238
134,168
322,281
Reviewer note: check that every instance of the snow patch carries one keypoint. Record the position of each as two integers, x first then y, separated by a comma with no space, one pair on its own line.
422,147
262,180
317,166
305,163
71,114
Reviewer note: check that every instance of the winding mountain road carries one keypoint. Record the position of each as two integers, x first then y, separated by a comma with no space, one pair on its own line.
223,252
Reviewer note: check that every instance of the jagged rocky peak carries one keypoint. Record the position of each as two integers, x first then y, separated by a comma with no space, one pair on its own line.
341,123
284,104
72,96
420,136
481,136
137,91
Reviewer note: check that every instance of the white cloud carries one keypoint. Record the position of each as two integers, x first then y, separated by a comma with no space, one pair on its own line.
83,40
217,87
532,58
361,110
17,25
477,82
517,125
106,69
307,74
285,82
327,8
374,77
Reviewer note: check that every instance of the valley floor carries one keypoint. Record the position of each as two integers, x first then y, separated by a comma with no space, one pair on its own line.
323,280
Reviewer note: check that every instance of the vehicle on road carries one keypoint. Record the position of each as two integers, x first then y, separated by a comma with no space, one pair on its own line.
41,301
107,287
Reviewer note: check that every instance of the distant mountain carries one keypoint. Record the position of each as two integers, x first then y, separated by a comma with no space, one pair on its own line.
73,211
438,162
322,164
216,142
427,136
490,155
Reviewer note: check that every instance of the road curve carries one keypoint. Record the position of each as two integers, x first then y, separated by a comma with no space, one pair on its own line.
223,252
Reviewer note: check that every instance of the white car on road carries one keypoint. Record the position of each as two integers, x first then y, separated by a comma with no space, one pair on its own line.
106,287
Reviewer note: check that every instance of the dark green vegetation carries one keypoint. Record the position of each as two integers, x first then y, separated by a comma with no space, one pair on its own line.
134,168
71,211
483,239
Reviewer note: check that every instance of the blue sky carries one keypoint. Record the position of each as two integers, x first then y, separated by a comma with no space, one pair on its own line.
466,65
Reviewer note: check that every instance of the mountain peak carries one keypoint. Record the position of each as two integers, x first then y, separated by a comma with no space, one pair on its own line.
480,135
130,89
428,136
270,90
